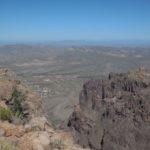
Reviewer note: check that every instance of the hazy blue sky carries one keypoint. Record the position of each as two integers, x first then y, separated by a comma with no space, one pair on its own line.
44,20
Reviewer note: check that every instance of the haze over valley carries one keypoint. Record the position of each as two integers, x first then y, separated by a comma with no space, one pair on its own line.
58,73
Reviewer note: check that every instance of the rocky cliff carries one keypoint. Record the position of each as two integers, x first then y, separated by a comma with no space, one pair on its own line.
22,124
114,113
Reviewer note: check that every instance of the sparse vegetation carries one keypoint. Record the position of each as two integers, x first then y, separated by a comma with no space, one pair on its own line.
5,113
57,144
17,107
6,146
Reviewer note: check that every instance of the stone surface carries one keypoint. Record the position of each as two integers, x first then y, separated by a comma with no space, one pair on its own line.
114,113
2,132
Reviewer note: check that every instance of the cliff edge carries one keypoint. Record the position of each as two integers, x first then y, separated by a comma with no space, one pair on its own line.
114,113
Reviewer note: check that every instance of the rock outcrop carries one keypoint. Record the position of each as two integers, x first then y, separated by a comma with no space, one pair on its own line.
114,113
22,124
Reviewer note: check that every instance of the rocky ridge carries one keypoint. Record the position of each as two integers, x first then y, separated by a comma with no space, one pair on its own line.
22,124
114,113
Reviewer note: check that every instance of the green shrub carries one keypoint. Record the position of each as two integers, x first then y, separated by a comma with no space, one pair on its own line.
18,99
57,144
7,146
5,113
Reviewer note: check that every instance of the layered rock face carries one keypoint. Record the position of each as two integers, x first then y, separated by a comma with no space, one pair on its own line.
114,113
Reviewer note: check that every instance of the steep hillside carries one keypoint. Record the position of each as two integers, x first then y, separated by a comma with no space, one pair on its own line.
114,113
22,124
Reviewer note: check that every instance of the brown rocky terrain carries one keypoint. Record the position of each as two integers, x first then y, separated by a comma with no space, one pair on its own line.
22,124
114,113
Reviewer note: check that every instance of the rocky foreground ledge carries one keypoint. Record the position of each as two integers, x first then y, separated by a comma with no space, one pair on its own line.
22,124
114,113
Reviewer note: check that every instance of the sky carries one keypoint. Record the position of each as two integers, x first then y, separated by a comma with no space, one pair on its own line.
95,20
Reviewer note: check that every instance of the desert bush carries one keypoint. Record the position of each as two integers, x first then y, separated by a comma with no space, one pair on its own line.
57,144
17,99
6,146
5,113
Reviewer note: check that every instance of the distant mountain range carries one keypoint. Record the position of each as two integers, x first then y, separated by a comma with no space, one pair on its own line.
84,42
